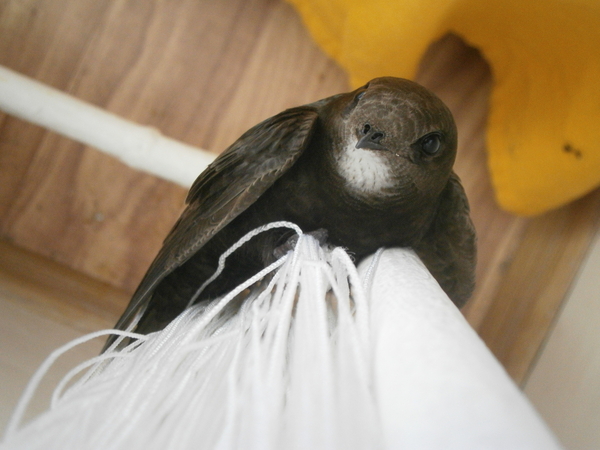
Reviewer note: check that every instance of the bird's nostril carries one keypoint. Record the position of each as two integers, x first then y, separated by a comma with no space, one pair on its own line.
376,137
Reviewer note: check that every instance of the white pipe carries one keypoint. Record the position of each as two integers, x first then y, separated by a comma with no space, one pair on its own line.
140,147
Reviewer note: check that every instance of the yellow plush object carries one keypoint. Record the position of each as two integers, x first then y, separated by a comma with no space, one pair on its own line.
543,133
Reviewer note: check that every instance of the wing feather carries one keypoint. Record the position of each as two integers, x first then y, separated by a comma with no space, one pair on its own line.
449,250
233,182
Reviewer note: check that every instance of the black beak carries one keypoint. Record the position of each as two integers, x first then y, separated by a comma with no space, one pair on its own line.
371,140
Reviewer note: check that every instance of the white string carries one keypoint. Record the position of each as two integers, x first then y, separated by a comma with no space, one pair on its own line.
370,271
33,384
289,368
237,245
73,372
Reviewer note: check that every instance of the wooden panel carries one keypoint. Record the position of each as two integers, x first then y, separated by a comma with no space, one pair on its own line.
63,294
203,72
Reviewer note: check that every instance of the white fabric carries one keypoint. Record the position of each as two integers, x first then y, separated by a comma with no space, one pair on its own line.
438,385
309,362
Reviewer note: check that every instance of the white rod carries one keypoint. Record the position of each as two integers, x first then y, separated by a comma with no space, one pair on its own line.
140,147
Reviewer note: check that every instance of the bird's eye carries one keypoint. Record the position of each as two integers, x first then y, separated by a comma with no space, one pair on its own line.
431,143
360,95
366,128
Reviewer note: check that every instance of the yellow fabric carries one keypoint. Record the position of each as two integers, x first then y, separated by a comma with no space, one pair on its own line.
543,134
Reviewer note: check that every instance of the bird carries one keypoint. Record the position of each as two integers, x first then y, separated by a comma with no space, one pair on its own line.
362,170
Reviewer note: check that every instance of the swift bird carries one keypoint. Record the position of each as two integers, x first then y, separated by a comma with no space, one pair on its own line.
372,167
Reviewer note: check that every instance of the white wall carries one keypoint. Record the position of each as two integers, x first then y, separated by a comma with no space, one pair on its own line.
565,383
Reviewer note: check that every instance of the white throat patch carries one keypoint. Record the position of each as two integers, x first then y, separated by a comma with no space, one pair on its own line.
364,170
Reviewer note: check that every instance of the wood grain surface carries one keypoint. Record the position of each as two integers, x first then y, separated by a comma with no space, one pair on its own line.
203,72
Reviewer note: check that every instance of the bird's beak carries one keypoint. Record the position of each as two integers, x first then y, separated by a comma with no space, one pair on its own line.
371,141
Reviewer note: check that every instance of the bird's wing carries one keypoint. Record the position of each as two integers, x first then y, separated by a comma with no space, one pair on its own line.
233,182
449,249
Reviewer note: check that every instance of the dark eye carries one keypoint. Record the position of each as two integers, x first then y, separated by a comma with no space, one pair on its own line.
431,143
360,95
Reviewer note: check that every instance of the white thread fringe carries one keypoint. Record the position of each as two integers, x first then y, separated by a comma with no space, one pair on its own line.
290,370
302,361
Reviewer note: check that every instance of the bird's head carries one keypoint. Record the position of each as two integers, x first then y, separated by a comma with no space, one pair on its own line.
394,136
